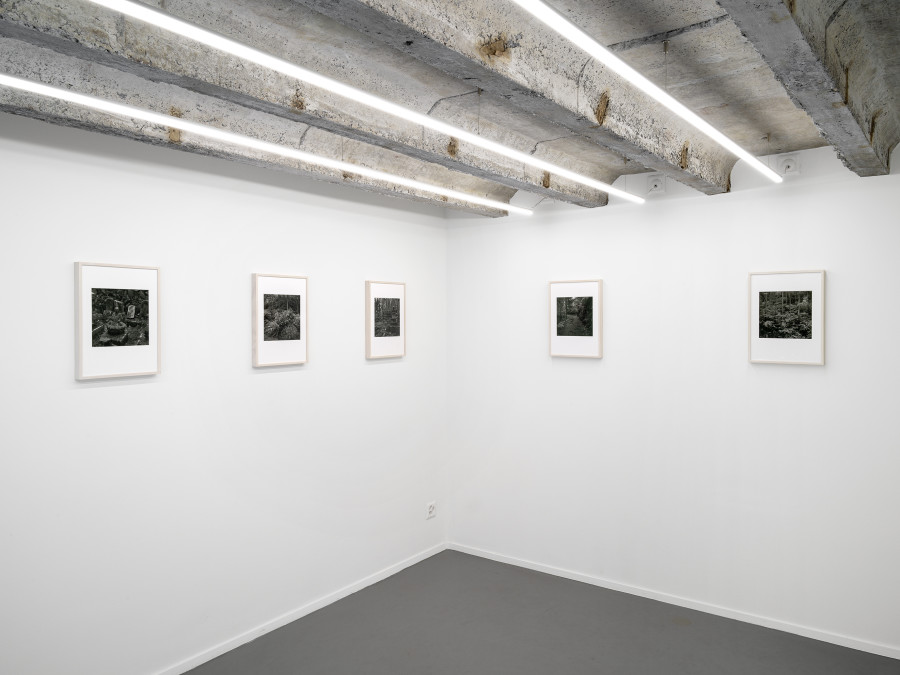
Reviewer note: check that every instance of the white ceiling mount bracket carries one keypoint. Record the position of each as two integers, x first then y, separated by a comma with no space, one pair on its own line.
789,165
656,184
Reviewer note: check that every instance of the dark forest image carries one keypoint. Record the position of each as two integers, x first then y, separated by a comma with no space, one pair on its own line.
120,317
786,315
575,316
387,317
281,318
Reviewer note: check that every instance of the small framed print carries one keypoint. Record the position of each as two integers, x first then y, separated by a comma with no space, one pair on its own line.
280,320
385,319
576,318
787,318
117,321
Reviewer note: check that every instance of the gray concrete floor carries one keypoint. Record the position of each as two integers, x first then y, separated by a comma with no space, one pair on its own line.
456,614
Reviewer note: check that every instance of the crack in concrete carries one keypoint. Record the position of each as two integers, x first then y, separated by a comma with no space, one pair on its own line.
548,140
447,98
667,35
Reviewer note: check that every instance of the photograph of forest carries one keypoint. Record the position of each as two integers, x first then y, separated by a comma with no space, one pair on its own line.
281,318
387,317
120,317
575,316
785,315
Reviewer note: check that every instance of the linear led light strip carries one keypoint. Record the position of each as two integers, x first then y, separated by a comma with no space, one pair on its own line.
246,141
566,29
210,39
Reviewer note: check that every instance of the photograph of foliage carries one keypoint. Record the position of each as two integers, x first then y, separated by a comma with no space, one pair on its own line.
387,317
575,316
281,317
120,317
785,315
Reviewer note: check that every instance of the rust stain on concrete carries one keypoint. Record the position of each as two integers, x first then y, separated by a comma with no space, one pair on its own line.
602,107
496,48
298,103
175,134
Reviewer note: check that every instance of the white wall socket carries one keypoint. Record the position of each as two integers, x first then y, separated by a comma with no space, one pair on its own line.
430,510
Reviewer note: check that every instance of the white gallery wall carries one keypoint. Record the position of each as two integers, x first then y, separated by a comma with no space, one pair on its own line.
148,524
145,521
673,467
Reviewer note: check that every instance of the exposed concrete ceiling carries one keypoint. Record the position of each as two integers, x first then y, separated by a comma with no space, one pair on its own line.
774,75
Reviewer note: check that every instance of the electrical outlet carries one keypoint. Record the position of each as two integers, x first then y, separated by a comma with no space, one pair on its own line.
430,510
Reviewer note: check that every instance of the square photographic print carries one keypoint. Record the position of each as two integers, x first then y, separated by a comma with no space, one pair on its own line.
120,317
117,321
576,318
280,320
785,315
385,319
787,318
282,316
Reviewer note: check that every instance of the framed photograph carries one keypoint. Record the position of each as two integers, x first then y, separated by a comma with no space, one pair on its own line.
787,317
116,321
280,320
385,319
576,318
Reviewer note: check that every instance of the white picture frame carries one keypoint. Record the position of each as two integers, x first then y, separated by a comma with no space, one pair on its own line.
787,317
385,319
117,326
576,318
280,320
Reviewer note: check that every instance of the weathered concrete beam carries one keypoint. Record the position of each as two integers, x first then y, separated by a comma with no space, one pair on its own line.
851,116
504,50
40,64
282,28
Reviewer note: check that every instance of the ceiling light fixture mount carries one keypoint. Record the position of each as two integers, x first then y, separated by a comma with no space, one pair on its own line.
239,140
555,21
226,45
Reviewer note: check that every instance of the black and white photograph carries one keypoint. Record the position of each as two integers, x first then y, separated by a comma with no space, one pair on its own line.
283,317
787,318
387,317
785,315
120,317
280,320
117,321
575,316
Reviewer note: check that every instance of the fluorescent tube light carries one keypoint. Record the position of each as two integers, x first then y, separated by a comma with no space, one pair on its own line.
246,141
581,39
223,44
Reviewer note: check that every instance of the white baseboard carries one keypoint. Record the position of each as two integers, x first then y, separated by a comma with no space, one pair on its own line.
284,619
806,631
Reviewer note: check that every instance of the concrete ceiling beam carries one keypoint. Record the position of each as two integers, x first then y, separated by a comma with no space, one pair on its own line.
502,49
298,35
28,61
841,85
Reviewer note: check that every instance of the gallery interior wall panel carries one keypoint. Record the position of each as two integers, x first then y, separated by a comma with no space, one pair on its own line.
149,519
673,463
145,520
